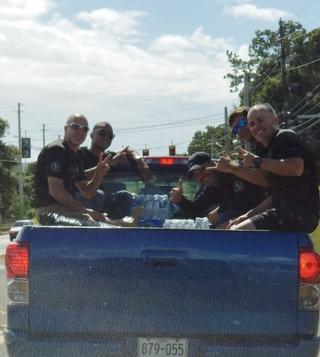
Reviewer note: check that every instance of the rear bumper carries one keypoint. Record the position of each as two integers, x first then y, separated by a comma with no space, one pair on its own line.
19,344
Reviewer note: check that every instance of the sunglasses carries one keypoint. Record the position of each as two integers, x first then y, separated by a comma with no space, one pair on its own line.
243,122
102,132
77,126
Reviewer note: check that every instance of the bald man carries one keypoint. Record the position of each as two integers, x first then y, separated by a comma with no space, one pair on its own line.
60,175
288,169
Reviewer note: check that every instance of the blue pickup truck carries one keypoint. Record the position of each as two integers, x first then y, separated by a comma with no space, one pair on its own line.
156,292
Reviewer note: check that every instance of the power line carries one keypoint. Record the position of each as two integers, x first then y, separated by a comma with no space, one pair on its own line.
305,97
168,125
303,65
304,8
310,126
312,108
306,104
302,124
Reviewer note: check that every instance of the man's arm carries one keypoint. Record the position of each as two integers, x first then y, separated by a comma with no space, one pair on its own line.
61,195
89,188
254,176
284,167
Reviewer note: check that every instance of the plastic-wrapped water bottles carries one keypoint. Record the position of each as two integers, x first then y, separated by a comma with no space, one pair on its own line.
179,224
156,209
202,223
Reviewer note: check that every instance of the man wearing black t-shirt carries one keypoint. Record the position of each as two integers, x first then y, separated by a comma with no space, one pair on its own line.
59,175
101,139
116,204
239,127
220,197
290,172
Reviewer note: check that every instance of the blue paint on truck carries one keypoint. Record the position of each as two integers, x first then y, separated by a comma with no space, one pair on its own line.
96,291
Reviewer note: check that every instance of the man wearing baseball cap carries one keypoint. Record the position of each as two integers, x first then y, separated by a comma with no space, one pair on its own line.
220,196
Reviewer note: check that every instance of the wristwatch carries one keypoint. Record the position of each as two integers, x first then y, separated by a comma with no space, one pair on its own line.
257,162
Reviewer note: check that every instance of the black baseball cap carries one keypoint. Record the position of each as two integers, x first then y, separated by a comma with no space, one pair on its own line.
196,161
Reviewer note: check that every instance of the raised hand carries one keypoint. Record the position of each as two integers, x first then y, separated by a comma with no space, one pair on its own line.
103,166
246,156
213,216
223,164
177,192
120,157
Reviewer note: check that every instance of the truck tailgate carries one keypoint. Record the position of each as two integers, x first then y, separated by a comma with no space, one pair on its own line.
96,282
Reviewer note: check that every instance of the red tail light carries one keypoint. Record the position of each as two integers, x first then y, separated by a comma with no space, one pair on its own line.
166,161
17,260
309,266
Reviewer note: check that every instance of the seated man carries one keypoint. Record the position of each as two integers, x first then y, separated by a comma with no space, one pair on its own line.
220,196
239,127
288,169
117,204
59,175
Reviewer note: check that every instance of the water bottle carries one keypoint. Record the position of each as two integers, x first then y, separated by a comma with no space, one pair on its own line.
202,223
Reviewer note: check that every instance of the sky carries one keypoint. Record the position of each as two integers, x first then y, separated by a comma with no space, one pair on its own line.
154,69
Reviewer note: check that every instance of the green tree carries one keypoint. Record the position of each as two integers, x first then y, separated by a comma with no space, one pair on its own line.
8,162
299,94
28,187
264,68
212,140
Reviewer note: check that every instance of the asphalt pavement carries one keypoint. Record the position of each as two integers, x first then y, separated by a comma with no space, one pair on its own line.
4,240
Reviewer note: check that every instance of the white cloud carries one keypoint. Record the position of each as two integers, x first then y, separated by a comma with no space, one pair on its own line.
198,41
96,58
111,22
251,11
25,8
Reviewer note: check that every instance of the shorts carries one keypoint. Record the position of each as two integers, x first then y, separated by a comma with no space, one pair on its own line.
274,220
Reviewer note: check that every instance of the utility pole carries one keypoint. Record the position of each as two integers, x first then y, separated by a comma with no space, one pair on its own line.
283,74
20,177
43,135
226,137
212,144
247,99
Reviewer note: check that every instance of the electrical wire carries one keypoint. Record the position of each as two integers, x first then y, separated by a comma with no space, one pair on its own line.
305,97
309,127
303,65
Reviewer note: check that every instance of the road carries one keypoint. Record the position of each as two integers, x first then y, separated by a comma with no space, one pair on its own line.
4,240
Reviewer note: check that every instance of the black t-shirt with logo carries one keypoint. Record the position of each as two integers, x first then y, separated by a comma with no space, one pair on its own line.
88,159
295,197
57,160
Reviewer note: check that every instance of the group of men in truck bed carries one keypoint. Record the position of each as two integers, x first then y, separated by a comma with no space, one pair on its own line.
273,186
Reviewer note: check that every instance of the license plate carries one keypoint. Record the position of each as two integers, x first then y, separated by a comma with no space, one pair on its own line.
162,347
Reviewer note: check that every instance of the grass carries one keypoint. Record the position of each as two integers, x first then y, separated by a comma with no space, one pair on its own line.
4,229
316,239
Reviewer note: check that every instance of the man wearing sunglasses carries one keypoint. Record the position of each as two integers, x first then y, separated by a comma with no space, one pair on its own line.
101,139
239,128
60,175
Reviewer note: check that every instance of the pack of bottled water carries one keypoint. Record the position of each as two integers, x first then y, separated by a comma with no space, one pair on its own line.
179,224
156,209
198,223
